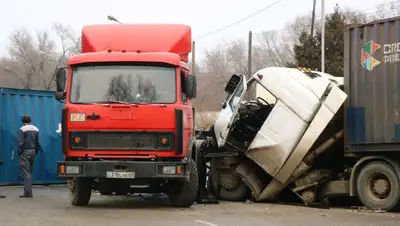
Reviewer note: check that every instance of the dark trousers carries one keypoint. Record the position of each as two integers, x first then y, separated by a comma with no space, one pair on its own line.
26,161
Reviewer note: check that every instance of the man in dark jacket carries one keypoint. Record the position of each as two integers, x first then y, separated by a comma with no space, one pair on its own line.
28,147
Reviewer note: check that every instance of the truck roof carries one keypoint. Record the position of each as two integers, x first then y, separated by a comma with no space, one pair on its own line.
338,80
173,38
293,87
168,58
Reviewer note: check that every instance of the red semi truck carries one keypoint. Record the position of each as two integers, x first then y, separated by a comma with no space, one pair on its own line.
128,123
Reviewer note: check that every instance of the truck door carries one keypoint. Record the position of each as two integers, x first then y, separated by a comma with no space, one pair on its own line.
229,111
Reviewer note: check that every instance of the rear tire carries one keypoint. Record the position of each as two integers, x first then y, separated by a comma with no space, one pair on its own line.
235,190
239,194
184,193
378,186
80,191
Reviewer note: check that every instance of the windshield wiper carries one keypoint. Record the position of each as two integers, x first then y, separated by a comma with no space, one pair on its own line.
113,102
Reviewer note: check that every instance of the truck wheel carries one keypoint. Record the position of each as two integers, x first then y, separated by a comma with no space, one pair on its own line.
80,191
239,194
232,188
184,193
378,186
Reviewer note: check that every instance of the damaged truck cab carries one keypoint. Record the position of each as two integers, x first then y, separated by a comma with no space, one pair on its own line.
259,146
128,122
313,134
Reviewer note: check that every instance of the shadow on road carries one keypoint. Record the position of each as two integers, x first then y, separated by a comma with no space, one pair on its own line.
131,202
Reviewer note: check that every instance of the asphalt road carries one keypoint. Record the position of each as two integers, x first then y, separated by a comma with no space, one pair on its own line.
50,207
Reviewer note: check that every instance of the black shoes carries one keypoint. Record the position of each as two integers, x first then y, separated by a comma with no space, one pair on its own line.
2,196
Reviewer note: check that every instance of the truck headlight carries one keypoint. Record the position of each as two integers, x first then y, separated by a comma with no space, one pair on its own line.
169,170
72,169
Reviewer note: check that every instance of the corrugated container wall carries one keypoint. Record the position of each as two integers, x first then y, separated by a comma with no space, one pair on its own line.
372,82
46,115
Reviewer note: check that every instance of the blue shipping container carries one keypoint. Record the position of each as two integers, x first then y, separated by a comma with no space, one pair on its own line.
46,115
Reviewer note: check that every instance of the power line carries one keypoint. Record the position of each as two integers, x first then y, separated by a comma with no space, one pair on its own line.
238,21
292,26
357,13
299,27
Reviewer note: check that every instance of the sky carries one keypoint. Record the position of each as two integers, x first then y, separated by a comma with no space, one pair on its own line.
202,15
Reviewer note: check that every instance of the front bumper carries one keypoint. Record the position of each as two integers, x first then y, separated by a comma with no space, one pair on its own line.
106,169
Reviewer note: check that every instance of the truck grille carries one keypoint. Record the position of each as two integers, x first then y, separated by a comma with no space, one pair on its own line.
122,141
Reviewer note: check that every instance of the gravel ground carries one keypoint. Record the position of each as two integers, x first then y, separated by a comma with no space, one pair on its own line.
50,207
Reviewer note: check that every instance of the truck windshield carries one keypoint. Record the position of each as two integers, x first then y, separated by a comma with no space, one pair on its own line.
123,84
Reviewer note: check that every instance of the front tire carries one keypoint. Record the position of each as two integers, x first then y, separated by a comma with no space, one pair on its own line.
227,185
80,191
234,189
184,193
378,186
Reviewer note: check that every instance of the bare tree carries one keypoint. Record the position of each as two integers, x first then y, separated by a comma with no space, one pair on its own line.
33,58
236,56
275,48
29,58
70,43
387,10
212,80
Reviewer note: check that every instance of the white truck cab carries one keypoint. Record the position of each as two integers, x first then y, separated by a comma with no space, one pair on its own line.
276,133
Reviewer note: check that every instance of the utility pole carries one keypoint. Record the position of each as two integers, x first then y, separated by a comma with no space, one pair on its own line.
313,18
322,35
250,48
251,95
193,58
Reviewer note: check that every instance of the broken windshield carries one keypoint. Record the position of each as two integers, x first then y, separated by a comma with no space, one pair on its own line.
123,84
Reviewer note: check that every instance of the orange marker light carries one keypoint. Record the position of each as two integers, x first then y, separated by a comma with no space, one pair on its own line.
164,141
179,169
77,140
62,169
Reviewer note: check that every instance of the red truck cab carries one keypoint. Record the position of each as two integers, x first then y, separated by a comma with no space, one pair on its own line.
128,123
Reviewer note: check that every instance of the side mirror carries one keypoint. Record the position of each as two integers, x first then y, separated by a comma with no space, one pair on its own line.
224,105
191,86
232,83
60,95
61,79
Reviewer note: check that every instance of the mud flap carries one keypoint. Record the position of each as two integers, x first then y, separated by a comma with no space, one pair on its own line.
203,196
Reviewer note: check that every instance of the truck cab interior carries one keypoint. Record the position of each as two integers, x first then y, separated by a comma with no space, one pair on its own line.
252,113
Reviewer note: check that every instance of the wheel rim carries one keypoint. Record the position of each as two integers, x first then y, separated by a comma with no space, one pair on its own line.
229,180
379,187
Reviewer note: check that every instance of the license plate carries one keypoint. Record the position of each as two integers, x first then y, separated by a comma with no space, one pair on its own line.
121,175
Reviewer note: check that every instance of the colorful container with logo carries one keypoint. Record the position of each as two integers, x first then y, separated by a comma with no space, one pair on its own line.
46,115
372,82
